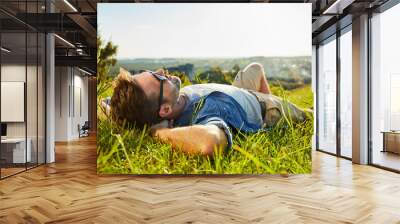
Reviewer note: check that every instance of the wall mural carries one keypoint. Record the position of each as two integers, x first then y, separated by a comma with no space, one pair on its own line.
204,89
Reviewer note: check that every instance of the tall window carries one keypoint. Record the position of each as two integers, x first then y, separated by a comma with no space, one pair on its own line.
16,154
327,96
385,89
22,79
346,94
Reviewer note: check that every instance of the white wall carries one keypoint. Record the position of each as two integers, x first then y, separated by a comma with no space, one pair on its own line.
14,73
80,88
62,81
70,83
34,125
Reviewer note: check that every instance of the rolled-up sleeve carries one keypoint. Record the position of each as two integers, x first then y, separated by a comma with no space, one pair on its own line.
219,123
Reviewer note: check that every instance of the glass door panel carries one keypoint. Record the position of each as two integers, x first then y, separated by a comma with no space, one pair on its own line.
327,97
346,94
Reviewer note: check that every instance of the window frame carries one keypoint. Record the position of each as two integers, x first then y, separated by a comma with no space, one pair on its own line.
379,10
334,37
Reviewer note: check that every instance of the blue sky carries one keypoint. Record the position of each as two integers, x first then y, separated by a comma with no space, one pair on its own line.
149,30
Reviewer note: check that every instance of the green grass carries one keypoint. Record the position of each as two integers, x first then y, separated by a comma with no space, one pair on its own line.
283,149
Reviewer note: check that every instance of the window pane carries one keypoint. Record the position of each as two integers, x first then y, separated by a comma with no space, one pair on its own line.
385,86
346,94
15,151
22,79
41,98
31,97
327,97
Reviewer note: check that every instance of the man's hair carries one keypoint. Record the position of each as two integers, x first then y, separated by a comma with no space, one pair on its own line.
130,106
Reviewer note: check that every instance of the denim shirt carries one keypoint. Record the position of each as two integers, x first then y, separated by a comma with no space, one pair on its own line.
220,109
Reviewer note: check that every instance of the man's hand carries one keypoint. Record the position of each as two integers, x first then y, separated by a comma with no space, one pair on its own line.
106,107
104,110
203,139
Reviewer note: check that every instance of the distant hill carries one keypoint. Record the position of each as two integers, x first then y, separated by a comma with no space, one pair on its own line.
275,67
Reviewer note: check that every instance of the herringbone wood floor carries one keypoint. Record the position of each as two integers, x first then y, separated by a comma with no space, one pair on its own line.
70,191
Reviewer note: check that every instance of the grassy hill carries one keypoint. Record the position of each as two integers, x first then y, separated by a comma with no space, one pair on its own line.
277,67
284,149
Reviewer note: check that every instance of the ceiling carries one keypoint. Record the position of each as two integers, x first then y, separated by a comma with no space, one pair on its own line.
74,22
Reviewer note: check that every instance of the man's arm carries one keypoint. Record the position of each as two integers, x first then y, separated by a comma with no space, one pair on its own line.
193,139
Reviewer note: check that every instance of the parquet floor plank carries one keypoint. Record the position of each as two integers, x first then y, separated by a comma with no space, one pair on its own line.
70,191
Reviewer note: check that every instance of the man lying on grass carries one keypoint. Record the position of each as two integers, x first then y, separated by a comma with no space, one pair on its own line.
200,117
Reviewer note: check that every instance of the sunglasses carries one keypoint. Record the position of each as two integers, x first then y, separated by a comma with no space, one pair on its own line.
160,78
